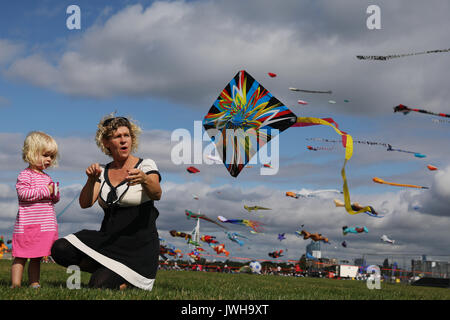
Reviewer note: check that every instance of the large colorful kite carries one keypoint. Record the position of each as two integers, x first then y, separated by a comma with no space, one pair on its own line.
245,117
392,56
242,120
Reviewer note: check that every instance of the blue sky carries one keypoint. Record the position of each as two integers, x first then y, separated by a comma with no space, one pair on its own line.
164,63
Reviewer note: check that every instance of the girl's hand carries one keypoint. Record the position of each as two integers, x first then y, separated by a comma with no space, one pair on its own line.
50,188
94,171
136,176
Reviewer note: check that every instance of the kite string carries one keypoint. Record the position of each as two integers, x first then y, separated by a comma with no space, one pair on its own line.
66,207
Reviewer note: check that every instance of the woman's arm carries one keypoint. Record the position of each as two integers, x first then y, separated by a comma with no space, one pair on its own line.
91,189
149,182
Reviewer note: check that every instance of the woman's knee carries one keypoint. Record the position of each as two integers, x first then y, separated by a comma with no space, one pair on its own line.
61,251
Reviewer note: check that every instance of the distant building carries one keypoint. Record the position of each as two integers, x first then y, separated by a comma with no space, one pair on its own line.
434,269
314,249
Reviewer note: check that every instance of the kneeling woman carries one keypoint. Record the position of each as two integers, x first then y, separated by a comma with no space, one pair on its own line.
126,248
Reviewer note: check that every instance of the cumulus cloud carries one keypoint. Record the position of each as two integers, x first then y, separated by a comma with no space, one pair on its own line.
307,44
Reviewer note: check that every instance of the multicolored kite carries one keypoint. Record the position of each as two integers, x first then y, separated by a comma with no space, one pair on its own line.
242,120
255,225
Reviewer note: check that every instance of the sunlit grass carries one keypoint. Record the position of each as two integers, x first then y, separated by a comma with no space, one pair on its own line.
189,285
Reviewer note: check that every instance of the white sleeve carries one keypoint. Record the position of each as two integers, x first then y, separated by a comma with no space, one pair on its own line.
148,166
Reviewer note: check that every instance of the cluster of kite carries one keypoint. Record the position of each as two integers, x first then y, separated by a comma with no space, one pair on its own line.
253,113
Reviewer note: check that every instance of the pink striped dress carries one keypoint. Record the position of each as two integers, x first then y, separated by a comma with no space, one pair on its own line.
36,228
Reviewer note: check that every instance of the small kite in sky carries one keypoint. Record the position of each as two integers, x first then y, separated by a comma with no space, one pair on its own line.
184,235
276,254
192,170
310,194
291,194
318,148
255,208
233,236
431,167
386,239
314,236
331,101
193,215
387,145
356,206
221,249
344,244
255,225
302,102
310,91
346,230
405,110
208,239
378,180
281,236
392,56
272,75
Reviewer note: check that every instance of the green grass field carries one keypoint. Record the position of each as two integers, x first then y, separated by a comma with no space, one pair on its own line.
188,285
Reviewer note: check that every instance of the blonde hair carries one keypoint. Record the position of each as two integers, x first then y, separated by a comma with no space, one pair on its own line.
109,124
36,144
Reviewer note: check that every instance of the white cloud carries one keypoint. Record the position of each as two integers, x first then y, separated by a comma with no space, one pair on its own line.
187,51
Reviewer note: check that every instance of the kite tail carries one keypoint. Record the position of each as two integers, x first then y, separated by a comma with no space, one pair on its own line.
347,142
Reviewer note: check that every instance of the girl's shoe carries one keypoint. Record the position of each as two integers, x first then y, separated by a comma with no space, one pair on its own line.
35,286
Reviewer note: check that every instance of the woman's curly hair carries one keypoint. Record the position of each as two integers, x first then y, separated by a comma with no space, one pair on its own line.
109,124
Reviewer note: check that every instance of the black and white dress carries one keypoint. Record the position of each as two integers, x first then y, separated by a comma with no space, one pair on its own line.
127,242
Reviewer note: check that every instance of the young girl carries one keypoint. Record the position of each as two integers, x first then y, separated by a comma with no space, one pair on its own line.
35,229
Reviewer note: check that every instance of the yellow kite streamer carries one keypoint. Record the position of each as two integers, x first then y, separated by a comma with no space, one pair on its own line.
347,142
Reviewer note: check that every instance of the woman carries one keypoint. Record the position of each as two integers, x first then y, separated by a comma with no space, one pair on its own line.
125,250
